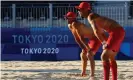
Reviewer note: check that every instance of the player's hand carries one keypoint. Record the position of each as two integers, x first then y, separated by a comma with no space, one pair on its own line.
87,48
89,53
84,51
104,45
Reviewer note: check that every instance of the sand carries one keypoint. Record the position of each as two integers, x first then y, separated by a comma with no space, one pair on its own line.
58,70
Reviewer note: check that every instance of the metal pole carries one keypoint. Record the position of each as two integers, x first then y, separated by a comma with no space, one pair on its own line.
126,13
50,14
14,15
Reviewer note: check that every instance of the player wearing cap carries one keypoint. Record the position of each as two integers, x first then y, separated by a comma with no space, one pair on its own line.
112,44
81,31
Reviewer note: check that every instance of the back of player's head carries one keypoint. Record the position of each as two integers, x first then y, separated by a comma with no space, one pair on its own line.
70,15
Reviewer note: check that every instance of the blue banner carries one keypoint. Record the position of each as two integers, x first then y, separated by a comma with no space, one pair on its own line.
50,43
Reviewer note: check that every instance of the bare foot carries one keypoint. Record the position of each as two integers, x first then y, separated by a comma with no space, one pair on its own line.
91,78
83,74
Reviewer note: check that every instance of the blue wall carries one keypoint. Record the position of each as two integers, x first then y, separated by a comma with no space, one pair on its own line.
50,44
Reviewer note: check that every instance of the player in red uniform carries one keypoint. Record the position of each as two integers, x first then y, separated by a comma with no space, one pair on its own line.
112,44
81,31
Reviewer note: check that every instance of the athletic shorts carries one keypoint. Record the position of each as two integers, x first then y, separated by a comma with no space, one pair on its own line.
94,44
115,39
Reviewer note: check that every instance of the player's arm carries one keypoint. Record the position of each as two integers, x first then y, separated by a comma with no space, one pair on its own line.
82,40
97,30
99,34
78,41
76,38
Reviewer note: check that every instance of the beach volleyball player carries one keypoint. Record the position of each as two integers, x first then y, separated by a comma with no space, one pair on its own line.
112,44
80,31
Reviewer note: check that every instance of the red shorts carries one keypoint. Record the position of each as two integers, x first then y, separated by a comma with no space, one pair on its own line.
94,44
115,39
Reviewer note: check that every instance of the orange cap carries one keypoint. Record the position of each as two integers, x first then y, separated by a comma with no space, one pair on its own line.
83,5
70,15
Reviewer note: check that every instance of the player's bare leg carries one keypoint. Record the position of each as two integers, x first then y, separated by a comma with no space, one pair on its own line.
83,62
92,65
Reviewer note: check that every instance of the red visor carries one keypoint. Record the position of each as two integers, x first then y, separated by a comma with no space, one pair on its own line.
70,15
83,5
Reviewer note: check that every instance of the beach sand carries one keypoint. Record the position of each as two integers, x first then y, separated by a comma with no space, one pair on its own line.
58,70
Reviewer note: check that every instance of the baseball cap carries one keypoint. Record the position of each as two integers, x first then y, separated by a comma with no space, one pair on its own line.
84,5
70,15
